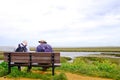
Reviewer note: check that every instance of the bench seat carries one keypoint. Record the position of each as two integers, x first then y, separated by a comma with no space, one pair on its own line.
32,59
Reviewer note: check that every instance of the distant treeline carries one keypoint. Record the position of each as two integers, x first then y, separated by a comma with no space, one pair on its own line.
83,49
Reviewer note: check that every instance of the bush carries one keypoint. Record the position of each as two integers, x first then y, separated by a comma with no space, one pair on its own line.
3,69
61,76
65,59
106,66
93,67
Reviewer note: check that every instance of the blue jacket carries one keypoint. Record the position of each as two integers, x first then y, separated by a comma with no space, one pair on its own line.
44,48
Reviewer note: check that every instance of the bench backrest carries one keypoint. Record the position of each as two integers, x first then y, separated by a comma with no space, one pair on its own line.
15,57
33,57
45,57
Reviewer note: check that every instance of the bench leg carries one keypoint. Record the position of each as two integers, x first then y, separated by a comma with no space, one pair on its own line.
29,68
53,70
9,69
19,68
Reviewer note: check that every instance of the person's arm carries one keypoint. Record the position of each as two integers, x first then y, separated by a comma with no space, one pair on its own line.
28,49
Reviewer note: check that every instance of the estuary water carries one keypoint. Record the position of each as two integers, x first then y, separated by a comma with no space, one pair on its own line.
76,54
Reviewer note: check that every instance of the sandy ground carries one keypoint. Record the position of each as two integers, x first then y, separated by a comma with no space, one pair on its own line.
70,76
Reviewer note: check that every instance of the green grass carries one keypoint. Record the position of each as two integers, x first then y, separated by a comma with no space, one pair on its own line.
116,54
15,73
3,69
92,66
89,49
100,67
83,49
65,59
1,55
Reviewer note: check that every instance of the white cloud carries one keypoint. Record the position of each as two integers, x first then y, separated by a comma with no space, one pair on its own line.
60,21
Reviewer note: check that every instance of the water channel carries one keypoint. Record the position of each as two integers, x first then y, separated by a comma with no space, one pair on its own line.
76,54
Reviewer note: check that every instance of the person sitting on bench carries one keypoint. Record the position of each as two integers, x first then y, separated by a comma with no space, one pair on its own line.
44,47
22,47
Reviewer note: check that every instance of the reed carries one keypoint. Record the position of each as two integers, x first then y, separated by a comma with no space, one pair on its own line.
83,49
88,49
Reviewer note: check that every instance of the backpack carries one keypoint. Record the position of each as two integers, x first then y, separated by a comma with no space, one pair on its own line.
48,48
21,48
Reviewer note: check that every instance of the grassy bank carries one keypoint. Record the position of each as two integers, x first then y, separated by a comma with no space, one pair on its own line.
33,74
92,66
83,49
1,55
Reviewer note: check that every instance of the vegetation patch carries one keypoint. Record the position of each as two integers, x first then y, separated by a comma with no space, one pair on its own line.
93,66
83,49
1,55
15,73
116,54
65,59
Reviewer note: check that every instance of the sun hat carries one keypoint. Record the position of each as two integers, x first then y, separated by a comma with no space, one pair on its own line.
42,41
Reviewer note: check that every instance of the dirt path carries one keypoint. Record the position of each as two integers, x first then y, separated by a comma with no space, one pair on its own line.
70,76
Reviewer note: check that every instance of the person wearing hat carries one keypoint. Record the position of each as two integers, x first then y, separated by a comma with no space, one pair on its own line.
44,47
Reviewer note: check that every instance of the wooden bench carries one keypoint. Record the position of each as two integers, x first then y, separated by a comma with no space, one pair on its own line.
32,59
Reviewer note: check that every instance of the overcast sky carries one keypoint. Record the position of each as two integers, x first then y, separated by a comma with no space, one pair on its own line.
62,23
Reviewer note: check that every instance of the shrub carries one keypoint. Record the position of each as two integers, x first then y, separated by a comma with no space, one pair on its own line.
100,67
65,59
61,76
3,69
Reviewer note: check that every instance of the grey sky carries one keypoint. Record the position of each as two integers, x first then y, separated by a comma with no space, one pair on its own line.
62,23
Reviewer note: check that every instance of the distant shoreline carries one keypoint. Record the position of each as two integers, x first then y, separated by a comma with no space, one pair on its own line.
69,49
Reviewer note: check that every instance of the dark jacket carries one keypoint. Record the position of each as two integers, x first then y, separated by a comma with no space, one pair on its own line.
44,48
21,48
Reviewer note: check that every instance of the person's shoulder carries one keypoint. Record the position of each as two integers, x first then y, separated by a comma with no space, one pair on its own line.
38,45
48,44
